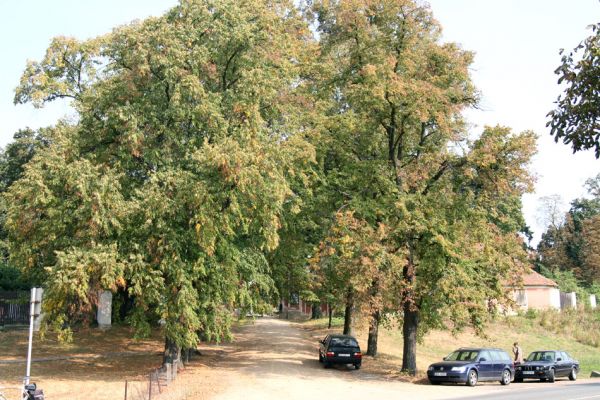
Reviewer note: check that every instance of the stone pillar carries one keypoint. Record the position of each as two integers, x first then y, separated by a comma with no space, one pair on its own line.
592,301
104,309
37,309
555,298
168,372
175,369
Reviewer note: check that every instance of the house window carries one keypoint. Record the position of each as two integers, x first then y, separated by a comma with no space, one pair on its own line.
521,298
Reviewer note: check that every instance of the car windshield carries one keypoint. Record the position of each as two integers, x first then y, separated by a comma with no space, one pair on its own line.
343,342
463,355
541,356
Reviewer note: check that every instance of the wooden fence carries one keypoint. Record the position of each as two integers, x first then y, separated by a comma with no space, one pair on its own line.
14,308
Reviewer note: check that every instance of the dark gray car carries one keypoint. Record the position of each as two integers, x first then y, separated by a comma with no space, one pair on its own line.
339,349
547,365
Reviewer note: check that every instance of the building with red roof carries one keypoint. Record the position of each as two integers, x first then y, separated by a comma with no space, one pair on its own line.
538,292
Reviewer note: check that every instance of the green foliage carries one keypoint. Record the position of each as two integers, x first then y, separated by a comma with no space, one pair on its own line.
173,182
11,278
575,119
13,159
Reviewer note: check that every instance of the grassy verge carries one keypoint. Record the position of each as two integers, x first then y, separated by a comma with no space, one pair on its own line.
533,331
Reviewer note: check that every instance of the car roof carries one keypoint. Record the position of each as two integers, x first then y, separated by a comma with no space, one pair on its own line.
479,349
547,351
342,336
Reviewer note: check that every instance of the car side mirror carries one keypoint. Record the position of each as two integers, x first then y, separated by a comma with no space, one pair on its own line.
445,358
482,359
559,359
524,359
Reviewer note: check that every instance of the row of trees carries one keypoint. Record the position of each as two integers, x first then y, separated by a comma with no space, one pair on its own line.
229,153
571,243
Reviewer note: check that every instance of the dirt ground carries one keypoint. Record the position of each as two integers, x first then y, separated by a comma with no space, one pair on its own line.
104,360
275,359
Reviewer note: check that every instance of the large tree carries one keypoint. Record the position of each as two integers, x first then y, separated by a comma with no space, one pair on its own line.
399,155
576,119
171,184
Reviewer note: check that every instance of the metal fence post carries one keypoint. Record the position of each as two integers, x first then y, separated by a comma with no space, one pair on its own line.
125,389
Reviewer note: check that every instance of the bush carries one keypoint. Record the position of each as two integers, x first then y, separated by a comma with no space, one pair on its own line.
531,313
12,279
582,325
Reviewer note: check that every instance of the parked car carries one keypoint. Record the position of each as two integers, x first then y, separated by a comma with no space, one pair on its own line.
471,365
547,365
339,349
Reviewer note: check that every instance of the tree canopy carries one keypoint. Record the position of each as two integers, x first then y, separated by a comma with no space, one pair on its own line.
225,154
172,183
576,119
396,153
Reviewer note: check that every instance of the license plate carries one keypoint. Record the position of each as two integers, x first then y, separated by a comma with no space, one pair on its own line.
527,372
440,374
343,355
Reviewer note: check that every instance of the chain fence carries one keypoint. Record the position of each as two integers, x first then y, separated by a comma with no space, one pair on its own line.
160,384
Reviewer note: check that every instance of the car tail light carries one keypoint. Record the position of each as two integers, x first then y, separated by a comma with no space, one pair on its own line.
330,354
358,354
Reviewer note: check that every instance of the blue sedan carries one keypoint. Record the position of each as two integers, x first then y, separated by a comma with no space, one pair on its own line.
471,365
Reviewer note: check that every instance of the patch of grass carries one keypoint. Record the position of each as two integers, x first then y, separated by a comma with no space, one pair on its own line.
322,323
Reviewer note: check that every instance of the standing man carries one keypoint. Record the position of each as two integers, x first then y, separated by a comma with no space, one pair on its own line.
518,352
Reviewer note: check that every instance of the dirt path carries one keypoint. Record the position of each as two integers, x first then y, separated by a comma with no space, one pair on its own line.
274,359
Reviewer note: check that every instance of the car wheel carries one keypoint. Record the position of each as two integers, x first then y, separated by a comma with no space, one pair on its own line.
573,374
551,375
357,366
472,378
505,377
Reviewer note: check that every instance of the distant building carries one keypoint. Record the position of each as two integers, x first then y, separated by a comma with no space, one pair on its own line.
538,293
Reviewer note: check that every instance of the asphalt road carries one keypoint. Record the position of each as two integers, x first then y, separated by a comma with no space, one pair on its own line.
560,390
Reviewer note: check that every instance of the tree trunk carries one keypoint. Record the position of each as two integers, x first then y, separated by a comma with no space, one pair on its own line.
373,333
409,333
172,352
330,315
411,318
316,311
348,313
375,319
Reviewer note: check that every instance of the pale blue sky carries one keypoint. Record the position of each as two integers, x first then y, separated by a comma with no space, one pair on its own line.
516,44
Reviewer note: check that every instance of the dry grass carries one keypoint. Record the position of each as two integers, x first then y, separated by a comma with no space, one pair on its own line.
104,360
102,377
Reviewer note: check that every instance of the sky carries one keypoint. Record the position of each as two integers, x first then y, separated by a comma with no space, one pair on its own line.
516,43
